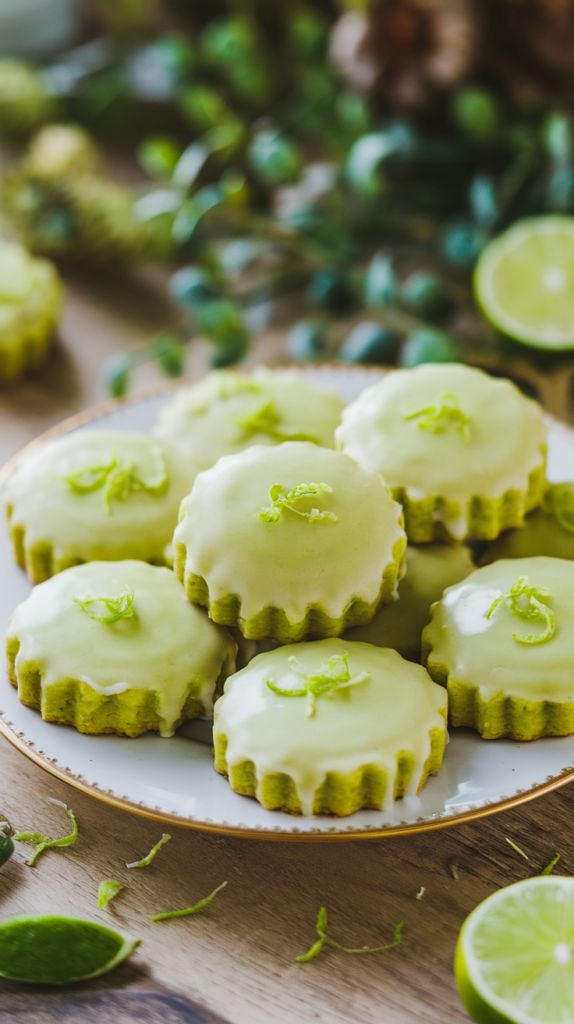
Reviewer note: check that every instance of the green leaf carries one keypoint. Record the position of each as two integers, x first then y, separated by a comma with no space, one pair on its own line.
190,163
169,351
193,210
45,843
143,863
196,909
120,607
158,155
107,891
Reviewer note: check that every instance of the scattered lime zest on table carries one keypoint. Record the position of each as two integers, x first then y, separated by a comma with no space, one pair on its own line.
437,418
44,842
420,893
143,863
325,940
53,950
107,891
120,607
281,501
189,910
527,601
524,282
331,678
515,954
6,844
517,848
547,870
266,420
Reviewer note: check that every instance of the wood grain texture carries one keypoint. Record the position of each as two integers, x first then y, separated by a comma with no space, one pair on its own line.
237,959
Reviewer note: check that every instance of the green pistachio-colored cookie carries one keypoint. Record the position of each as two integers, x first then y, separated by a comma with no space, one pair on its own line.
501,642
116,647
329,727
94,494
31,294
227,412
462,452
292,542
430,568
547,531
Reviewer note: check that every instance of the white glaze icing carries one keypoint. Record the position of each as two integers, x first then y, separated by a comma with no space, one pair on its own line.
291,563
79,525
504,444
367,724
429,569
482,652
166,646
203,420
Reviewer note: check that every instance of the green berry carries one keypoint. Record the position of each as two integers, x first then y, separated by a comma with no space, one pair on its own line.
425,294
305,341
477,113
274,158
462,242
368,342
428,346
191,287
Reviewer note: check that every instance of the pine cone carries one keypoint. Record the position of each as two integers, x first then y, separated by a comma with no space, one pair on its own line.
406,49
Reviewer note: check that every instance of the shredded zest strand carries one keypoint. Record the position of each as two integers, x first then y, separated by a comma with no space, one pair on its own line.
120,607
44,842
281,501
331,678
325,940
119,480
527,601
437,418
266,420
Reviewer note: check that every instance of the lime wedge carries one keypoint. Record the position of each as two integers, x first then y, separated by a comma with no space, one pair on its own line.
524,282
514,959
59,950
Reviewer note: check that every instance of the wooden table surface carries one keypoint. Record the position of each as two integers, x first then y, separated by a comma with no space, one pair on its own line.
236,961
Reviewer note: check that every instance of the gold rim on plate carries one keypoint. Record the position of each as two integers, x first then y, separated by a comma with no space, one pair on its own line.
39,758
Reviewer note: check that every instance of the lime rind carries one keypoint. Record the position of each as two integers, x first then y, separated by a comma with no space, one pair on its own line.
25,939
533,264
520,941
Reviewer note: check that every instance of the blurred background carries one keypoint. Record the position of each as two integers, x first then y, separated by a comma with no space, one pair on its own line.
219,183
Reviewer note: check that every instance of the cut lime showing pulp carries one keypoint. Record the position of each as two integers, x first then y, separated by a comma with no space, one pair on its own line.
515,954
59,950
524,282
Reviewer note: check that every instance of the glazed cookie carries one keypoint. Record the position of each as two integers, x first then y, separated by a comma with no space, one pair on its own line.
227,412
31,294
463,453
501,642
430,568
329,727
116,647
293,542
94,494
548,531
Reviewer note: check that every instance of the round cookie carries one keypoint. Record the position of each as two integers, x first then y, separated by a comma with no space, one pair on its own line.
430,568
31,294
329,727
463,453
501,642
293,542
227,412
547,531
94,494
116,647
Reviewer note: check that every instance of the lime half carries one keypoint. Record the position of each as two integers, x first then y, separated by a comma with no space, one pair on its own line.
524,282
515,954
59,950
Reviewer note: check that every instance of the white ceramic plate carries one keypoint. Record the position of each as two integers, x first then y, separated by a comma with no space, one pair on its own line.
174,780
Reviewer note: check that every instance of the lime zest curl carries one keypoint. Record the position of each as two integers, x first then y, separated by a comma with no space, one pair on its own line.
107,891
119,480
282,500
527,601
266,420
437,418
325,940
120,607
548,868
196,909
44,842
517,848
143,863
333,677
